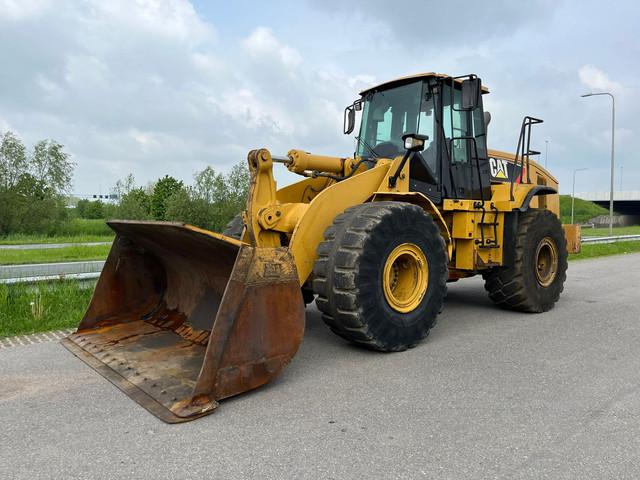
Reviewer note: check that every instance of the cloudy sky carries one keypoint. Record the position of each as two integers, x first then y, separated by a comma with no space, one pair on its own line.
157,87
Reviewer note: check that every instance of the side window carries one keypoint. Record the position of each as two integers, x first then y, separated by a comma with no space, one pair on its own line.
455,125
479,132
426,126
383,130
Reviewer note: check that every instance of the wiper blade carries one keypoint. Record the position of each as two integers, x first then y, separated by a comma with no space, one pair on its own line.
367,146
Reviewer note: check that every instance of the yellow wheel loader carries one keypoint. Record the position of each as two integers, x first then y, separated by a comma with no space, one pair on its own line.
183,317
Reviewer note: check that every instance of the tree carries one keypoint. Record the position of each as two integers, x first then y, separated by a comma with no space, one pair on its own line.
213,200
90,209
13,160
135,205
123,187
162,191
183,206
33,208
31,186
133,202
51,165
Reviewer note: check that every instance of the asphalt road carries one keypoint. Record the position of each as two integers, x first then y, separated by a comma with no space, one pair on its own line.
490,394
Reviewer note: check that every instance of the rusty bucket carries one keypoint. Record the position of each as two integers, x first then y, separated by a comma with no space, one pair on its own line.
182,317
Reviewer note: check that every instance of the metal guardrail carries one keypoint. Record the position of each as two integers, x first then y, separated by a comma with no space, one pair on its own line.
613,239
38,272
48,246
84,271
80,277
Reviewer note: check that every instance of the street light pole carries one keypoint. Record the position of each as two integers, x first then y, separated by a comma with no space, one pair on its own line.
546,152
573,190
613,130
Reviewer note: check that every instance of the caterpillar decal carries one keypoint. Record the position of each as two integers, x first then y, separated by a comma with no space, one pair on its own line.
503,170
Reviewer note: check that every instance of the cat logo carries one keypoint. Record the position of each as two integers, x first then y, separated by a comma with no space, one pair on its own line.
498,168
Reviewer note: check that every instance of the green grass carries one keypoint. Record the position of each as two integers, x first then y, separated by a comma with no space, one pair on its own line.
604,232
75,230
84,226
52,255
583,210
603,249
26,309
23,239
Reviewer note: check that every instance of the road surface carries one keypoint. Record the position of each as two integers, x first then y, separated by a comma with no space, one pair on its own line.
490,394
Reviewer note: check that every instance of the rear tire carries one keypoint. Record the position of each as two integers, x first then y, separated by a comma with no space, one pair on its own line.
534,281
381,275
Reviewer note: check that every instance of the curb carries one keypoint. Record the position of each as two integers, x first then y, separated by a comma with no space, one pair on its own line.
41,337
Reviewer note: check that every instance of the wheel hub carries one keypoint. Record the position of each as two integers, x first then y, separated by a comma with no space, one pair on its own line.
546,262
405,277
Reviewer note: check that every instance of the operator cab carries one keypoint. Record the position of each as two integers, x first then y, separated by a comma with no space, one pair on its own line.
447,114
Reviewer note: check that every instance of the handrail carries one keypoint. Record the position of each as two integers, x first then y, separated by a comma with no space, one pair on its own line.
523,150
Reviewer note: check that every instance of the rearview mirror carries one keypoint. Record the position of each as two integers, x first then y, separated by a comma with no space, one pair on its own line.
349,119
471,93
350,116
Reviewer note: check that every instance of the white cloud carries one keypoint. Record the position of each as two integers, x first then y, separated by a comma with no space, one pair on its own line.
157,87
167,18
596,80
248,110
15,10
361,81
4,125
263,45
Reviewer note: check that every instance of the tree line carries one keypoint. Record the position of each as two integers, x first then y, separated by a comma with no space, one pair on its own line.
34,193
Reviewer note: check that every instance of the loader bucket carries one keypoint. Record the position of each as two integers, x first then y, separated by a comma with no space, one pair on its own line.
183,317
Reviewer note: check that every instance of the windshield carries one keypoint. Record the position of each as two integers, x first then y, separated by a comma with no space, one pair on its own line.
388,115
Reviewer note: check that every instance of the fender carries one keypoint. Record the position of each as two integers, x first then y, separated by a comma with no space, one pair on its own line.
536,190
421,200
324,208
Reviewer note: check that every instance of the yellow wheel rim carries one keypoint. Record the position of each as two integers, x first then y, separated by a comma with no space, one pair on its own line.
546,262
406,277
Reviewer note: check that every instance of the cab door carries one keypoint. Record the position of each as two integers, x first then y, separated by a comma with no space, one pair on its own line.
464,147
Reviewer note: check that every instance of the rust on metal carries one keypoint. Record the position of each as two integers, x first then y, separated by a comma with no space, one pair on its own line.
182,317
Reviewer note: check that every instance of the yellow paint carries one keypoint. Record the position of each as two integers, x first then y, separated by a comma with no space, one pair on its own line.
301,161
463,226
209,233
282,217
573,235
298,215
262,193
405,277
465,254
303,191
327,205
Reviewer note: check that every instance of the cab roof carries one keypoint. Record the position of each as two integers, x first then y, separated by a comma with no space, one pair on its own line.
409,78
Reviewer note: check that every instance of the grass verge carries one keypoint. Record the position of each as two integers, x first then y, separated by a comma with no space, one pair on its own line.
51,255
75,230
604,232
603,249
26,309
583,210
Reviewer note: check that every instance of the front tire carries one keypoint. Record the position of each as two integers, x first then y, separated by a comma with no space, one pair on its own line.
535,279
381,275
